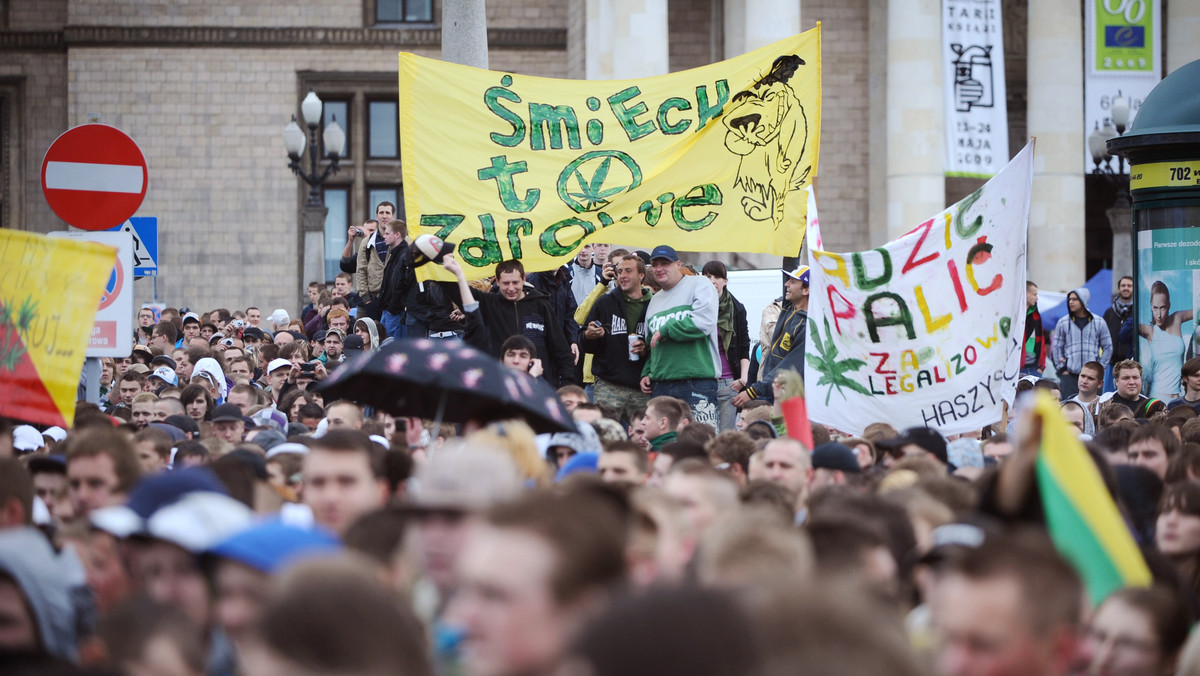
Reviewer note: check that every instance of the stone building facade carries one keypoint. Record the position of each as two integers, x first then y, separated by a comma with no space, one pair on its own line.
206,87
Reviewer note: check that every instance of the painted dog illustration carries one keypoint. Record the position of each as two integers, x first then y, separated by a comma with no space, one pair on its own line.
768,129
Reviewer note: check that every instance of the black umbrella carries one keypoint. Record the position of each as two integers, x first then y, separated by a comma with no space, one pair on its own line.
449,381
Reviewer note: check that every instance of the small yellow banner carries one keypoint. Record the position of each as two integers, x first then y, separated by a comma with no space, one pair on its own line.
711,159
1174,174
50,289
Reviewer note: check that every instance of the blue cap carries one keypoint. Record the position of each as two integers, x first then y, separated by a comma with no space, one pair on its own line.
584,463
271,544
664,251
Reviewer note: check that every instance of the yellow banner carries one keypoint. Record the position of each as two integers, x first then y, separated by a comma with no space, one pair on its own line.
711,159
50,289
1175,174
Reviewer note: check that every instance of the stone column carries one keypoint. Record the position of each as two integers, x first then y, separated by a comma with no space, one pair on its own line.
464,32
626,39
1182,28
750,24
916,182
1120,219
1055,109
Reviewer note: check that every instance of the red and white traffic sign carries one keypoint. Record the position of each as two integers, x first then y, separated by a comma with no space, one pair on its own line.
94,176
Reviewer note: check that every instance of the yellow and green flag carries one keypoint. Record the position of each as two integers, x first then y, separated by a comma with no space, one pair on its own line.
1081,515
509,166
50,290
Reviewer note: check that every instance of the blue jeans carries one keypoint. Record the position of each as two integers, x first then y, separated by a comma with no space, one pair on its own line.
393,324
699,393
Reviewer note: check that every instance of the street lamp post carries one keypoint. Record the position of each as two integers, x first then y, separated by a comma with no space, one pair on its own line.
1119,215
312,215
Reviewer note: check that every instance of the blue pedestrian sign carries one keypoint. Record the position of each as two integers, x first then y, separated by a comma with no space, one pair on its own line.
145,244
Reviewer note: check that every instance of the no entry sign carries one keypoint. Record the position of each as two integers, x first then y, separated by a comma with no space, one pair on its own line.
94,176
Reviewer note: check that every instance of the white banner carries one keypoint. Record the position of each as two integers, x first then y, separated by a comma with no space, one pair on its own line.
925,330
1124,58
974,91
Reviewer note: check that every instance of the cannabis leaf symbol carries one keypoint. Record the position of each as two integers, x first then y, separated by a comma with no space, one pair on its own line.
833,370
12,325
591,194
583,194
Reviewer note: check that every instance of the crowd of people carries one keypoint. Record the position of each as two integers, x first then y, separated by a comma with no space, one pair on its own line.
214,513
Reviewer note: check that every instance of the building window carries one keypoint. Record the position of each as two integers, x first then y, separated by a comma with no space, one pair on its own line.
384,128
337,221
366,107
404,11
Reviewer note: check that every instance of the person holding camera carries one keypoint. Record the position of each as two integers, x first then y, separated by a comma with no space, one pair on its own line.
355,236
368,278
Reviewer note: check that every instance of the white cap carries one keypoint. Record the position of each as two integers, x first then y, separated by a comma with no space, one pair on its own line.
56,433
279,318
277,363
287,447
26,438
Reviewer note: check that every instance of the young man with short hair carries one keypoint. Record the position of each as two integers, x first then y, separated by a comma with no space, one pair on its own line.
1190,377
343,287
343,478
1152,446
1033,350
522,310
153,449
683,361
368,276
518,352
615,333
531,577
344,415
1128,378
1091,382
101,468
1008,607
142,409
623,462
661,421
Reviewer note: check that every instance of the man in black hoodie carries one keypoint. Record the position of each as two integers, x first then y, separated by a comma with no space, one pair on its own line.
519,309
617,317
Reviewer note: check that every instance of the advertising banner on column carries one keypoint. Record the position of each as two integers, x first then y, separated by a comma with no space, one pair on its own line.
1169,273
1124,58
974,91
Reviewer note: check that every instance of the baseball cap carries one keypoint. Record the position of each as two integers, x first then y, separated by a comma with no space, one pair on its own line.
336,332
182,422
278,362
227,413
166,374
800,274
664,251
56,433
191,317
353,345
926,437
270,545
279,317
139,368
835,456
26,438
253,333
163,360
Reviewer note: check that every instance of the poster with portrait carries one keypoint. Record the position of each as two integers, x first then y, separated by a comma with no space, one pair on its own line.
1169,279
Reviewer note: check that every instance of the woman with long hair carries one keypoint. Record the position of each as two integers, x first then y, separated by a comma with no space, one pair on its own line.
1137,632
1177,531
1165,335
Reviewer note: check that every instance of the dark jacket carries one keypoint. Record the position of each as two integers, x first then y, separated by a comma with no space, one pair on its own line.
557,285
1122,340
612,351
533,317
739,347
398,278
786,350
